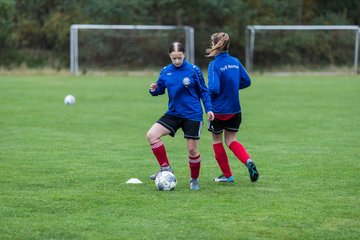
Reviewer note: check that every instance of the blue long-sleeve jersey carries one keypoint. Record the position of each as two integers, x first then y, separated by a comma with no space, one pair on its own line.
185,86
226,77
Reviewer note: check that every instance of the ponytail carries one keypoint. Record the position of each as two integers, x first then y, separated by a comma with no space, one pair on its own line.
220,42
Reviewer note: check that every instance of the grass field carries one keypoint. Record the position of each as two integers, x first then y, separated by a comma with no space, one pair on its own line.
63,169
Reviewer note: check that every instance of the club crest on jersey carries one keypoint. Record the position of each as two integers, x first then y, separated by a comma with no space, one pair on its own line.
186,82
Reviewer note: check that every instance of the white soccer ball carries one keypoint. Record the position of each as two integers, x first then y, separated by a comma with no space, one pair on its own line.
69,100
165,181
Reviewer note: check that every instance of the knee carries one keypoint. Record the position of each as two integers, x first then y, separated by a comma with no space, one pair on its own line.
228,142
193,152
151,137
229,138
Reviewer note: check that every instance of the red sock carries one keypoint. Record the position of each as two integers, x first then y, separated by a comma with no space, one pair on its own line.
159,151
194,163
239,151
222,159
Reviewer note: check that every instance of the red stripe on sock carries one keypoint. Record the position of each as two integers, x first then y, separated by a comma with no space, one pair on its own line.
194,164
159,151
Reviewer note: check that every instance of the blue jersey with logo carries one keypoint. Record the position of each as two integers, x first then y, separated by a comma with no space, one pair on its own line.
185,86
226,77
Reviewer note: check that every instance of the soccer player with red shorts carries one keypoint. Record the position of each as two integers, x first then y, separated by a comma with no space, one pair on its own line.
226,77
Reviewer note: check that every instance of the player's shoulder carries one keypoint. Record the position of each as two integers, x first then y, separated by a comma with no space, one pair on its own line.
235,59
212,62
166,69
193,67
229,60
196,67
197,70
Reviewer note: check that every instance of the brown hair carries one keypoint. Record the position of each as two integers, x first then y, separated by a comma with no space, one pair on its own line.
176,47
220,42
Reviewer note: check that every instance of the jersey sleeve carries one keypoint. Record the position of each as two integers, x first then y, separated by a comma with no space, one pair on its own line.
204,91
160,85
245,80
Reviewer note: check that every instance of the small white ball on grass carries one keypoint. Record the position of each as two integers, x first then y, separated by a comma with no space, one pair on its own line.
69,100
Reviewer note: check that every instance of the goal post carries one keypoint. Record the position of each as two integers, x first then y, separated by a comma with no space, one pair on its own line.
251,31
98,47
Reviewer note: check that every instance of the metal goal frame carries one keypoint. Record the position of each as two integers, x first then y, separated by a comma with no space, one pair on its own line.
252,29
74,44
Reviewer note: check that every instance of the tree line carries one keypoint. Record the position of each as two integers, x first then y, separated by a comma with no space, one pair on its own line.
36,32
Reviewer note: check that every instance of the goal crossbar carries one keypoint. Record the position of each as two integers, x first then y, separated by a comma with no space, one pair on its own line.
74,44
303,27
251,29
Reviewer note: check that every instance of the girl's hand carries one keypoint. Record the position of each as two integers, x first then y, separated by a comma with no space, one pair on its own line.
153,87
211,116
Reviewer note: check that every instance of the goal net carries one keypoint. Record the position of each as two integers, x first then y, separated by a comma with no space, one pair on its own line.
103,48
302,48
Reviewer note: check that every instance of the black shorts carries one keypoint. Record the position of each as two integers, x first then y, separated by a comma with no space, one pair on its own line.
191,129
217,126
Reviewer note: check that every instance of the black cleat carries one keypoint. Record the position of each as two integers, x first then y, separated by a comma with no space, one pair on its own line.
254,174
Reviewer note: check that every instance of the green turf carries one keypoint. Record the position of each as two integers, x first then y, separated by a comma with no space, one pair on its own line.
63,169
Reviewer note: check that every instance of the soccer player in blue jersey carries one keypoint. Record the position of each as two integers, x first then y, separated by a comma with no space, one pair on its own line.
186,87
226,77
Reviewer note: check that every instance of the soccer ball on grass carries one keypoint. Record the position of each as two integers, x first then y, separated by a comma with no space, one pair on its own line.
69,100
165,181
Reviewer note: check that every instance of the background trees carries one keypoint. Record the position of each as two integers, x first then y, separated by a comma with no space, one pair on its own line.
37,32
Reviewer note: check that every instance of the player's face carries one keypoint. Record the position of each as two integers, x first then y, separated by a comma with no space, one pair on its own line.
177,58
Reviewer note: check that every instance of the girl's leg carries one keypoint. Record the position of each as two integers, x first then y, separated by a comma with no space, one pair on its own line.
236,147
194,157
154,137
240,152
220,155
